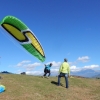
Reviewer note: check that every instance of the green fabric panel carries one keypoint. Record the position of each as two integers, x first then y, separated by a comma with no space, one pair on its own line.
15,22
33,51
21,26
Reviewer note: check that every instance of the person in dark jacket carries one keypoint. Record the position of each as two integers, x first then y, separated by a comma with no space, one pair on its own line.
47,70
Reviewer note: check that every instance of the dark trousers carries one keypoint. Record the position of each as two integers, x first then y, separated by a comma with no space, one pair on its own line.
46,71
66,78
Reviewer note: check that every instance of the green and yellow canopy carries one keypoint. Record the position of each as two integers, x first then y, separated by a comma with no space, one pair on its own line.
18,30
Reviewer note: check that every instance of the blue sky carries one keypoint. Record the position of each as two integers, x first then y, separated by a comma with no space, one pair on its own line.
65,28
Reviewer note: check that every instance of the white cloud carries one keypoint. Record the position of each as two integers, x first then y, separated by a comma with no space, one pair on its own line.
91,66
55,70
83,59
74,68
22,63
72,63
29,67
34,72
32,65
55,64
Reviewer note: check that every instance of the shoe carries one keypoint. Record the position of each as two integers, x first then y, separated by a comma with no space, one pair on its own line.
58,84
48,77
66,87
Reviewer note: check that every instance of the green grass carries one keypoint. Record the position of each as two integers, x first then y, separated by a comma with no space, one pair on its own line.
27,87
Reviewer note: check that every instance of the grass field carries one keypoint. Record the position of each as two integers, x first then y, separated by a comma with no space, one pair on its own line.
27,87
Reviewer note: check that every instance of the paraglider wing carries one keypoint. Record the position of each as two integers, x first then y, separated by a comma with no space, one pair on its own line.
18,30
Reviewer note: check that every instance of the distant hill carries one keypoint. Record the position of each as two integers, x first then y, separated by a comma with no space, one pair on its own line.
6,72
96,76
86,73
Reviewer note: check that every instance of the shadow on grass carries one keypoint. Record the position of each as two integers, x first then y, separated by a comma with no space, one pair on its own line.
56,83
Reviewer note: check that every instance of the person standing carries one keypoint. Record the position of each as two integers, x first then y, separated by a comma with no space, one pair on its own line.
47,70
64,71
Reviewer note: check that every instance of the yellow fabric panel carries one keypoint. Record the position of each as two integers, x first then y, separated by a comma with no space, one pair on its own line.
35,42
14,31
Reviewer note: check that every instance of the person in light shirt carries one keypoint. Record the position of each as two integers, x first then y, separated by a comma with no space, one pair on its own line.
64,71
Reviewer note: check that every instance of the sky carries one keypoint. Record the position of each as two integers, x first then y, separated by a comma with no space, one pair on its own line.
65,28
